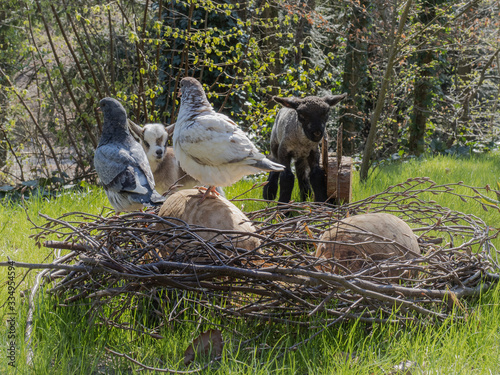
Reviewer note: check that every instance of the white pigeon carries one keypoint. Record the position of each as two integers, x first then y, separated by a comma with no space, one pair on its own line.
121,163
210,146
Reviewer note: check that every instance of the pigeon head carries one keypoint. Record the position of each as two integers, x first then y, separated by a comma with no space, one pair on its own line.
192,93
114,113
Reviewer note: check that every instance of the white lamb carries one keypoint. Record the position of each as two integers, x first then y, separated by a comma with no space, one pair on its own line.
166,169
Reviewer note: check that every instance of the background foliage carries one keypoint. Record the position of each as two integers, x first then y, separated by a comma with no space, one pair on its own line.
58,59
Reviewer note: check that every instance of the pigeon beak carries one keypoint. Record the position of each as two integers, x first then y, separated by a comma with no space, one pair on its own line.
179,94
98,109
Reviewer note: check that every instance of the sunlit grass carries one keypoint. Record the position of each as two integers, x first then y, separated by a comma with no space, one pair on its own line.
67,340
478,171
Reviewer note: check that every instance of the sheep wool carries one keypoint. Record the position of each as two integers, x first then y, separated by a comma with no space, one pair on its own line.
298,129
211,213
361,241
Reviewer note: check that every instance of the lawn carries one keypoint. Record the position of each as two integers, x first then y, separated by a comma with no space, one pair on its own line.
66,339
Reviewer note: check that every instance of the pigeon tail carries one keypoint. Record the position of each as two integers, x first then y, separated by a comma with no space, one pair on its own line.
268,165
153,204
155,199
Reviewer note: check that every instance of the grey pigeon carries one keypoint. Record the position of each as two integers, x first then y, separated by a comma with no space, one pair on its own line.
210,146
121,163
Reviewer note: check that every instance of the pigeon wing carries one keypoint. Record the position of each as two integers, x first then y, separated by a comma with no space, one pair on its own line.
138,154
216,140
131,180
119,170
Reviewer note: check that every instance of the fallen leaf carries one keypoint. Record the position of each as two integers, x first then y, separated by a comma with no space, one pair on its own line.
208,342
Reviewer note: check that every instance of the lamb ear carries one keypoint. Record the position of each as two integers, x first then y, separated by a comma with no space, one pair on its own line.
136,131
331,100
170,129
288,102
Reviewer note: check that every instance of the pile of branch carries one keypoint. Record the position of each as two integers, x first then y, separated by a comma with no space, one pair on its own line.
128,256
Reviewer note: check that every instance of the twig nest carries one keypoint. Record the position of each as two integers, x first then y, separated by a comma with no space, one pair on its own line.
216,213
368,241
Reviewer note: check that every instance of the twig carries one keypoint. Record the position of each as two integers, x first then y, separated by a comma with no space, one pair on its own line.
31,307
281,280
46,266
162,369
65,78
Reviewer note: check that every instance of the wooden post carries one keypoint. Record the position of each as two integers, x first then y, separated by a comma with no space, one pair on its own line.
339,179
338,170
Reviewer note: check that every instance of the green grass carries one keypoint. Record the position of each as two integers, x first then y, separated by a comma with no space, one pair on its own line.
67,340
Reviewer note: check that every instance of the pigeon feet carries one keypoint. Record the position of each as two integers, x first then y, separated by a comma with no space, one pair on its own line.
208,193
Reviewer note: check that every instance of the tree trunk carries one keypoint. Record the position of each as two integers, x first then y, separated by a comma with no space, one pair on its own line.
3,98
421,103
355,82
302,31
422,100
270,43
370,142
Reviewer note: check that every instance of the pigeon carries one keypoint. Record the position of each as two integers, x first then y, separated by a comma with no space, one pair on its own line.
210,146
121,163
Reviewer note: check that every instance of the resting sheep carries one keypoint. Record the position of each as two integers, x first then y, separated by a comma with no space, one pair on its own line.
164,165
297,131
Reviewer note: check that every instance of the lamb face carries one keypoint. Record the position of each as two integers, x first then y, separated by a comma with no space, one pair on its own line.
313,116
312,113
154,141
164,165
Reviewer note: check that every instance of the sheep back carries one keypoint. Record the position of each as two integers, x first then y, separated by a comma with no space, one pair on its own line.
216,213
361,241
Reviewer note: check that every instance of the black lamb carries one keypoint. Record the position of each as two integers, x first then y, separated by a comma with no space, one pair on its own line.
297,131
